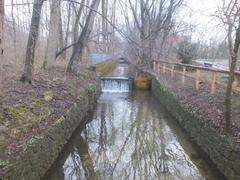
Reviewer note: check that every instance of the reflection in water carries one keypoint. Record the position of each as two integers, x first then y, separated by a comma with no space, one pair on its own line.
131,137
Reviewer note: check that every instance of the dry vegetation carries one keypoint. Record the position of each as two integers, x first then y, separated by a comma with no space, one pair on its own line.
28,110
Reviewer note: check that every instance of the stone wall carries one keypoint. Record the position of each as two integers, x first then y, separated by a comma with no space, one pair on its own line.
41,151
223,152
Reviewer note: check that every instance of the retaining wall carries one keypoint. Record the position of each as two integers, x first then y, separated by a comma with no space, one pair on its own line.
221,150
40,152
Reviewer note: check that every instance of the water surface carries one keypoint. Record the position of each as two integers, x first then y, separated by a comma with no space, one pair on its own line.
130,137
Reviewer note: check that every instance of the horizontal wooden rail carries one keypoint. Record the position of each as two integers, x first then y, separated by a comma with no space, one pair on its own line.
164,67
198,67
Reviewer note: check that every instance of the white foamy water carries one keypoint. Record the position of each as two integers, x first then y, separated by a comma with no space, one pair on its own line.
116,85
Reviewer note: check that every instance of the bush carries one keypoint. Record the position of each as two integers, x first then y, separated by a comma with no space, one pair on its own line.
186,51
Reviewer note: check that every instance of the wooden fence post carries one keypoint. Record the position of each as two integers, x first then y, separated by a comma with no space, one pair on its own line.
164,67
172,71
154,66
234,86
183,74
158,68
197,79
213,82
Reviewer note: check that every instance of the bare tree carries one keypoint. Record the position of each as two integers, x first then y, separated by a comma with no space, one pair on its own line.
229,14
83,39
152,19
233,64
27,75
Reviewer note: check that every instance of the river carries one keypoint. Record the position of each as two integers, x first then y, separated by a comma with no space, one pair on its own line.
130,136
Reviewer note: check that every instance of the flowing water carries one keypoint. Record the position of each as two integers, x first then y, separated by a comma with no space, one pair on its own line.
116,84
130,136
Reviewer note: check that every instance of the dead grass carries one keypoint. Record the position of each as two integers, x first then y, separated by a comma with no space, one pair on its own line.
27,110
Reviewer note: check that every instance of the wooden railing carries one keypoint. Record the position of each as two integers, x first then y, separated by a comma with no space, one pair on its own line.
196,73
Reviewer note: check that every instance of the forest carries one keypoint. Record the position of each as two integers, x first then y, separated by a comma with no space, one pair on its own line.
46,48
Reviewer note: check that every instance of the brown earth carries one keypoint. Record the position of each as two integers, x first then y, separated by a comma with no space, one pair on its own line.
27,110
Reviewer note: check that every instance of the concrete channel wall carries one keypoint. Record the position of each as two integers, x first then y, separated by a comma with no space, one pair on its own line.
219,148
41,151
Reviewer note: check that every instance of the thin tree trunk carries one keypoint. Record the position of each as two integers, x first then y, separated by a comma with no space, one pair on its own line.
14,30
76,25
68,23
104,28
2,12
228,100
230,45
61,40
27,75
82,41
113,21
53,36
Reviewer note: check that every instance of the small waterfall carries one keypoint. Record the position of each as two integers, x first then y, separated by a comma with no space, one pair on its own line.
116,84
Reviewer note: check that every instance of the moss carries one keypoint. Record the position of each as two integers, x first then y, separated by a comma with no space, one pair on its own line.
23,118
18,112
72,87
141,83
43,111
15,132
48,95
91,88
107,67
3,163
2,144
59,121
2,120
31,142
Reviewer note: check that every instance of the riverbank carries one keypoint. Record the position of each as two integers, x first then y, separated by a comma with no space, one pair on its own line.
204,127
36,121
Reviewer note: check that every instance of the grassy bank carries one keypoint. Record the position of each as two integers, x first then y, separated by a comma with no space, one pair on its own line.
106,68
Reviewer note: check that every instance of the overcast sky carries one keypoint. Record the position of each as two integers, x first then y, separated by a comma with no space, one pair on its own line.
196,12
202,14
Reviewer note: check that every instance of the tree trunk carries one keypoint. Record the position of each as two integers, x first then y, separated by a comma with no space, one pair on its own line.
61,40
86,31
233,63
67,28
27,75
76,25
14,30
1,28
53,37
104,23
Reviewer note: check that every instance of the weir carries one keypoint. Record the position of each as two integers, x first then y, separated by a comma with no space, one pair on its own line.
116,84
